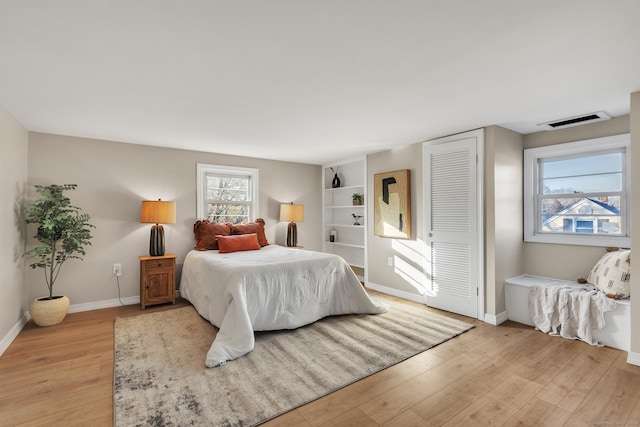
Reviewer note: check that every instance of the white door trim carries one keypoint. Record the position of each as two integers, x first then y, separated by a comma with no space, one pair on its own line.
479,135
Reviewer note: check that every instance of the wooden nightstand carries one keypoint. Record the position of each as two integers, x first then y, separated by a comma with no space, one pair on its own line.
157,279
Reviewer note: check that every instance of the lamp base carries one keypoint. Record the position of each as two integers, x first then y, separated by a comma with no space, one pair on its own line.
292,234
156,243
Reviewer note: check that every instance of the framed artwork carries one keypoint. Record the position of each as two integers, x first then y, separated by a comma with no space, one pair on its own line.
392,204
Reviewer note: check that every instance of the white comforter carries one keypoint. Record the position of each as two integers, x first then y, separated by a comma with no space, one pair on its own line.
268,289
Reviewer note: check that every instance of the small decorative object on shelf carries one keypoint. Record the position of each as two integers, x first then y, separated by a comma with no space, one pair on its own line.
357,219
336,179
358,199
333,235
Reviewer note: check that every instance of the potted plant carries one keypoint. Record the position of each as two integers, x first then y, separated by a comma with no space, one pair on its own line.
63,231
358,199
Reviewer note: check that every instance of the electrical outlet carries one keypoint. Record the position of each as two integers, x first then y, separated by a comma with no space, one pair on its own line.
390,261
117,269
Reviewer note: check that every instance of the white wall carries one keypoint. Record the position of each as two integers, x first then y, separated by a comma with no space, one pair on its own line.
113,178
13,181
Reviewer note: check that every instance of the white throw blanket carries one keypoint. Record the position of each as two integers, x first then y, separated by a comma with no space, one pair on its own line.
569,311
268,289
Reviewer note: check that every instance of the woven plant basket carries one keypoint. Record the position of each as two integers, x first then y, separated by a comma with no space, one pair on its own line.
47,312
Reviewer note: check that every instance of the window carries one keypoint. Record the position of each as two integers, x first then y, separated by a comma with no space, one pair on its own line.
576,193
227,193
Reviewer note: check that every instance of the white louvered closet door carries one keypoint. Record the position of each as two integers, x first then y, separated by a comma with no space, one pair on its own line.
451,220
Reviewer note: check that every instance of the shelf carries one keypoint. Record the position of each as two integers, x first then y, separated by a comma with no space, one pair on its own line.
350,187
344,244
338,211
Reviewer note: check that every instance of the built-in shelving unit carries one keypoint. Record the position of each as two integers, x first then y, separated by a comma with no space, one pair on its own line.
350,239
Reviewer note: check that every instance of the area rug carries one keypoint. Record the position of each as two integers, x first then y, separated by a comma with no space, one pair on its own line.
160,378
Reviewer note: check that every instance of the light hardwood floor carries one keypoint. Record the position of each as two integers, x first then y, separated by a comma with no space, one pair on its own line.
503,375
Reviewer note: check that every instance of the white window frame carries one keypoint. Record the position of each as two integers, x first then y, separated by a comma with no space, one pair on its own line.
531,183
202,170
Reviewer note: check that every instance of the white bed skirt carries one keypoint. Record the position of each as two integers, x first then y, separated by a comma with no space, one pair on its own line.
615,334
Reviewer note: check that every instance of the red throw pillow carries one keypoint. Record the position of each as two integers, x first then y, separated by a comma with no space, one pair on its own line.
240,242
251,227
207,232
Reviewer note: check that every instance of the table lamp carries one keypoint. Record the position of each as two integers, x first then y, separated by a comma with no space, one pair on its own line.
292,213
157,212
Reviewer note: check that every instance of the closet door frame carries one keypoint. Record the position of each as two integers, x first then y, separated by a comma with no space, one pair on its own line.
479,196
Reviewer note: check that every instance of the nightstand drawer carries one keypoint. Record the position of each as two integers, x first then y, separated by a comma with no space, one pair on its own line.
158,263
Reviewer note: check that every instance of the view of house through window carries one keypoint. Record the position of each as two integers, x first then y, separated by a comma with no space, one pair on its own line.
577,189
581,194
227,194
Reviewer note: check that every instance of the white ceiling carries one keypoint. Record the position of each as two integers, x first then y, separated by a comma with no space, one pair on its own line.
311,81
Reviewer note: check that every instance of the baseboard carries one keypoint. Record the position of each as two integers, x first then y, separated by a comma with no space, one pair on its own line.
488,318
633,358
73,308
497,319
13,333
396,293
96,305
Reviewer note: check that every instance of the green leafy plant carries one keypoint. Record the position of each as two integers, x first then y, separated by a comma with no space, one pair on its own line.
357,197
63,231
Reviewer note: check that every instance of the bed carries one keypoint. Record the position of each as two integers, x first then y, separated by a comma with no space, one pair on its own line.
271,288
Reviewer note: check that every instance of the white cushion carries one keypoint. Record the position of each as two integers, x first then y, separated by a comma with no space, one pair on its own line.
612,274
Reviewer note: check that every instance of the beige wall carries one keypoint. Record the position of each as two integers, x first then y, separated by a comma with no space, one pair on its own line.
13,181
566,261
113,178
503,213
503,219
635,221
406,275
506,255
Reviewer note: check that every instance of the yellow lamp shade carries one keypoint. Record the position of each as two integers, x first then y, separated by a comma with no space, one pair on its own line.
291,213
158,212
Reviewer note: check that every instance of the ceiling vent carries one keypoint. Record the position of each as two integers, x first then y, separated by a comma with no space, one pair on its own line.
576,121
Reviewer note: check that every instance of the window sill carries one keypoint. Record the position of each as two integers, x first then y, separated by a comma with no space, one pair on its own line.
580,240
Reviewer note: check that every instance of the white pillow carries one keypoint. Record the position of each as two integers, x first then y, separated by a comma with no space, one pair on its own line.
612,274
